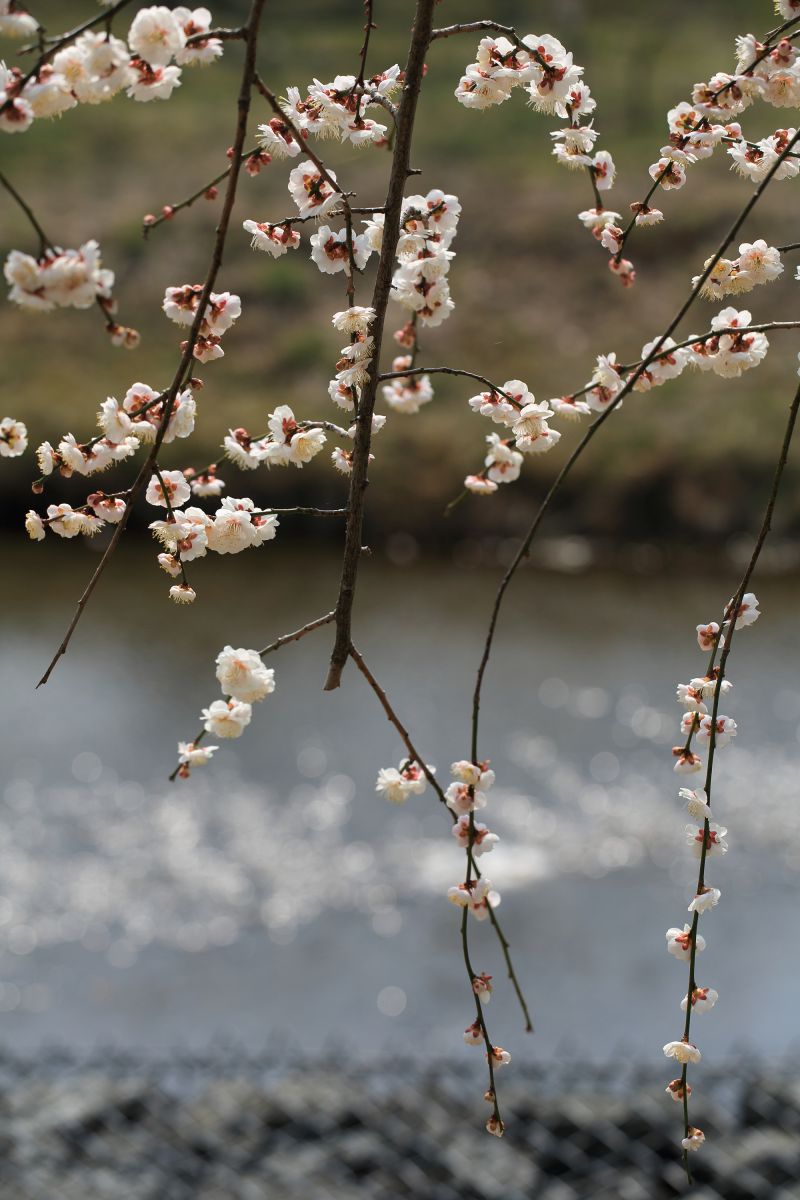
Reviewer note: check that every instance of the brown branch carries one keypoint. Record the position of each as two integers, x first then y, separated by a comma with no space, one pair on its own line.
401,154
476,27
368,28
221,35
44,240
248,71
302,511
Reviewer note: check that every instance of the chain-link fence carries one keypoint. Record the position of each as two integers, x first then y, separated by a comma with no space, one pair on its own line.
228,1126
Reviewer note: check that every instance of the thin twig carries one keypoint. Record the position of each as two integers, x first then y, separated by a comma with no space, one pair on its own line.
416,757
171,209
727,631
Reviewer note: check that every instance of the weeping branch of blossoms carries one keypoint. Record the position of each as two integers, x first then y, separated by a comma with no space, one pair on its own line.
413,236
202,302
708,840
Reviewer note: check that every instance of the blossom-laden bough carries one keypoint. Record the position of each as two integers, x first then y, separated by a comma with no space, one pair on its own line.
410,235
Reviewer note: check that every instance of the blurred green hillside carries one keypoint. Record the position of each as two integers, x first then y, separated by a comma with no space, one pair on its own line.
534,298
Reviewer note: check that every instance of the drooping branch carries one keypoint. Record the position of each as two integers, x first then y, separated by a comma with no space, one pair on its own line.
184,366
401,155
726,633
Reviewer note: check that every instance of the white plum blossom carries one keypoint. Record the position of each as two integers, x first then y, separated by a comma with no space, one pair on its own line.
234,528
679,942
226,718
725,729
13,438
182,593
683,1051
703,1000
170,490
712,838
152,83
156,35
747,612
478,896
194,22
59,278
482,840
696,803
277,139
706,898
500,1057
398,783
694,1138
34,526
479,485
462,798
482,987
311,192
473,1035
274,239
191,755
502,463
707,635
242,675
331,253
15,22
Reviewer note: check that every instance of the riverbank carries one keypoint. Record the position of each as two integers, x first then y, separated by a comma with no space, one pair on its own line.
223,1126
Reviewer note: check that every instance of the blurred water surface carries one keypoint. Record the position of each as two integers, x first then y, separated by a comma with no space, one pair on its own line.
274,895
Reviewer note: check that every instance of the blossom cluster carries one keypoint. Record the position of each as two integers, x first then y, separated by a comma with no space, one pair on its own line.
705,838
95,67
244,681
221,310
66,279
554,84
514,406
768,72
336,109
287,442
189,533
428,226
757,263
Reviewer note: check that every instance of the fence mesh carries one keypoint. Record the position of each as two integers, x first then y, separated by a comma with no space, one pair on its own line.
228,1126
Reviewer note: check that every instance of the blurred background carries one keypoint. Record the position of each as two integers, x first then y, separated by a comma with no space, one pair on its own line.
273,900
